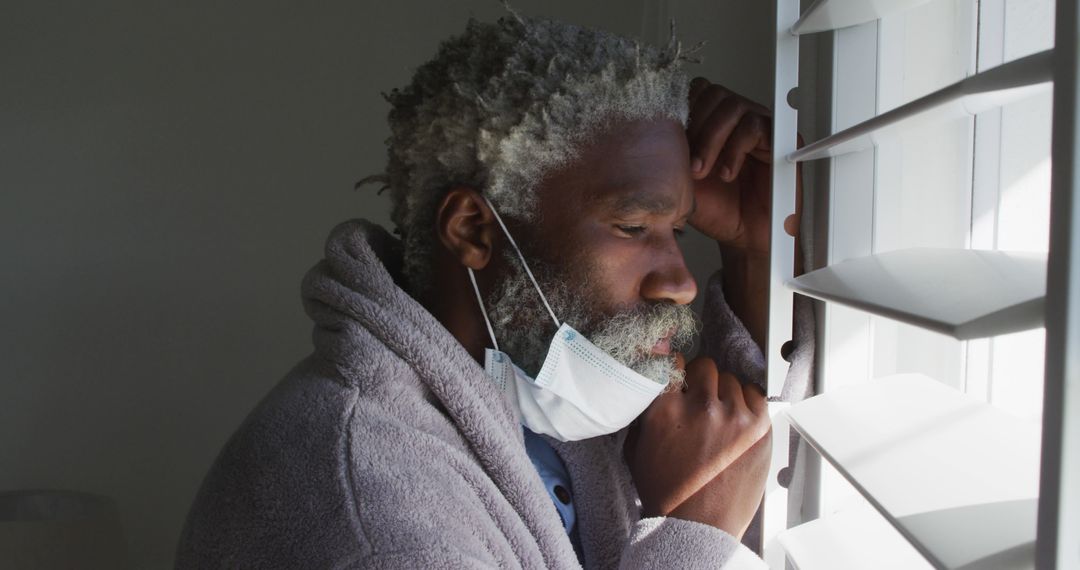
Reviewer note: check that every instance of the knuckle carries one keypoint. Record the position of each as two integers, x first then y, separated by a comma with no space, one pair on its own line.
762,124
696,370
755,399
711,96
718,409
704,363
739,105
761,425
725,378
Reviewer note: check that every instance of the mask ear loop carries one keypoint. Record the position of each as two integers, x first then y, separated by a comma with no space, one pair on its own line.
483,311
523,263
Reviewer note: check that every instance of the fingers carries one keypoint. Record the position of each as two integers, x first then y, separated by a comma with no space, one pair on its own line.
791,224
701,378
712,133
731,393
716,127
752,133
701,109
697,87
755,399
706,381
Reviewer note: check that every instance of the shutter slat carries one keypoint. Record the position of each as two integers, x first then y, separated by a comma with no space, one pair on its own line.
983,91
849,540
957,477
825,15
962,293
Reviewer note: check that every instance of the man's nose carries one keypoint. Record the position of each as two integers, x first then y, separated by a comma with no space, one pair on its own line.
670,280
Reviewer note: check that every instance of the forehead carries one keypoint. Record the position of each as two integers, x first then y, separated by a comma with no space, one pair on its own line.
636,165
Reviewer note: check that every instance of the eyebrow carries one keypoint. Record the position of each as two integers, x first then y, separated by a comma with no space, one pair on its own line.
634,202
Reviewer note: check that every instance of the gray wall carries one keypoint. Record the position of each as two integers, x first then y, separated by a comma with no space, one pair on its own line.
168,172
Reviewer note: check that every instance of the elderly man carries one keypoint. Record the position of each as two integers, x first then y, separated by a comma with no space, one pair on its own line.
468,398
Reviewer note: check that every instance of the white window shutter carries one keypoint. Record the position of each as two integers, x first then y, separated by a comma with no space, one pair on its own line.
957,478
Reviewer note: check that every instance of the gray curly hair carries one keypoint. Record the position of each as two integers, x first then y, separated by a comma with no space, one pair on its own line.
502,105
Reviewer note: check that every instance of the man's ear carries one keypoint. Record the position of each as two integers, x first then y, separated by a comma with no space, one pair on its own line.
466,226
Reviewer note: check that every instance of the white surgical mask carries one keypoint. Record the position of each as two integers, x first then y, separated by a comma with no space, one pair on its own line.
580,392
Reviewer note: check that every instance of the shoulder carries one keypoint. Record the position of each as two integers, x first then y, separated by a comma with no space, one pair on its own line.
284,486
332,468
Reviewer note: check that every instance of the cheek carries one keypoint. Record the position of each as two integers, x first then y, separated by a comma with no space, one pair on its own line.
616,270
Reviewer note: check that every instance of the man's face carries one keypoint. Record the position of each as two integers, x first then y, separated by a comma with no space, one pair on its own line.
604,251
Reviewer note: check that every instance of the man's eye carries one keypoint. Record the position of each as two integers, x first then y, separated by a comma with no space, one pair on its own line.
631,230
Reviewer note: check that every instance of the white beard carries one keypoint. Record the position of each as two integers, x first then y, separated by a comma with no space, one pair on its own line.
524,328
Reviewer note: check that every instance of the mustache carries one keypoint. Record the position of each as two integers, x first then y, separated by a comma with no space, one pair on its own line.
630,334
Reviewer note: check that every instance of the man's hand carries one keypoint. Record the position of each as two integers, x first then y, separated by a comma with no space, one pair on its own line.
731,160
702,454
730,501
731,164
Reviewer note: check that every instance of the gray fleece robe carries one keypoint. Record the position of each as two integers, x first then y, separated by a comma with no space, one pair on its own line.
389,447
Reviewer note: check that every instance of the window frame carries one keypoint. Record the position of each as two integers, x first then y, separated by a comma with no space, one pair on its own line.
844,229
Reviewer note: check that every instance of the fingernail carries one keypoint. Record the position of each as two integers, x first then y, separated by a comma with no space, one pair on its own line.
725,173
696,165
